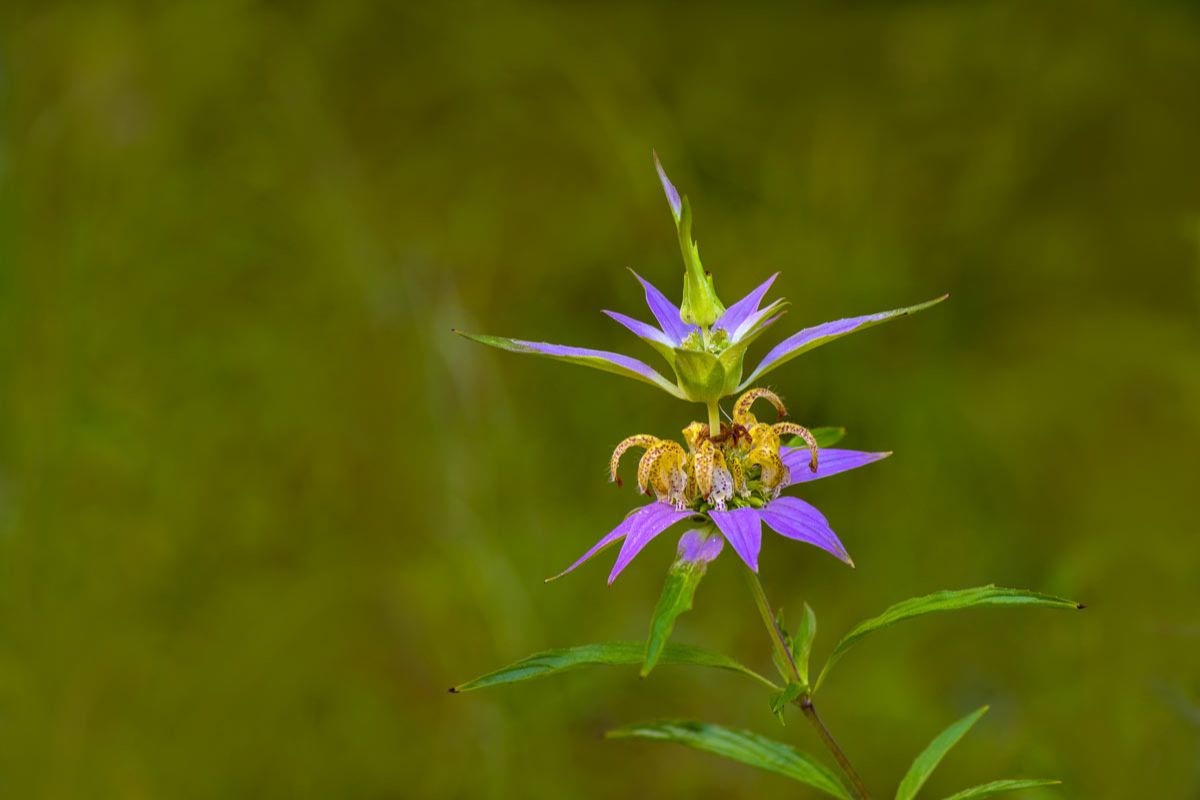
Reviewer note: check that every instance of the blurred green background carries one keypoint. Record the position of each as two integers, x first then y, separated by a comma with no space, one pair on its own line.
259,507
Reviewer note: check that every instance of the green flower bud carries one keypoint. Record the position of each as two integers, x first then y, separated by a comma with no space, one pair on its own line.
701,306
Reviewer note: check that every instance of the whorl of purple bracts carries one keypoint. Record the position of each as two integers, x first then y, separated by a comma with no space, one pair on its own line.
699,547
738,319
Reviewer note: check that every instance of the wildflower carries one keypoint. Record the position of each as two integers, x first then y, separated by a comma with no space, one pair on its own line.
703,342
732,481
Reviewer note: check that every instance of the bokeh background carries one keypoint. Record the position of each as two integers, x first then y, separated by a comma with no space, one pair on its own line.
259,507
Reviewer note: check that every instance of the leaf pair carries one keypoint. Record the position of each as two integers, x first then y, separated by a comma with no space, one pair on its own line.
925,763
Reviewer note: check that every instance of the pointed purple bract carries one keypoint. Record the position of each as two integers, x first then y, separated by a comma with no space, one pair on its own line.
699,546
796,519
627,362
655,519
743,309
669,189
642,525
642,329
830,461
743,528
666,312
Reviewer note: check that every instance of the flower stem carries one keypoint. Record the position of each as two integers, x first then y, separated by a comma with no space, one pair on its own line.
714,419
859,789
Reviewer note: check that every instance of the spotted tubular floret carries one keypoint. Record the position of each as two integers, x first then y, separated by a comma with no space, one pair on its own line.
741,409
637,440
792,429
662,469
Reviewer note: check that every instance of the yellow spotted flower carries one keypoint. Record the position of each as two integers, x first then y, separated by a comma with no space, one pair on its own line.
731,479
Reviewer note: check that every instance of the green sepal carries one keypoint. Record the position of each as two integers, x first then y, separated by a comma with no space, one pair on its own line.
700,303
926,762
999,787
552,662
701,376
737,745
780,701
949,600
678,590
826,437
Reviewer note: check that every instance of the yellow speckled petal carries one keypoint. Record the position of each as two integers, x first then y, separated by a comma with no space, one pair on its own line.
792,429
774,471
637,440
741,409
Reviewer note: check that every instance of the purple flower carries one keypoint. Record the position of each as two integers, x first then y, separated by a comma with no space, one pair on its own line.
741,527
730,482
707,360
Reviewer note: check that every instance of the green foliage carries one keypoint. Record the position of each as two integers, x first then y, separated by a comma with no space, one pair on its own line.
744,746
999,787
950,600
925,763
515,346
551,662
676,598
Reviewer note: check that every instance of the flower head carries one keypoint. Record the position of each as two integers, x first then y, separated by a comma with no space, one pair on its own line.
703,342
731,481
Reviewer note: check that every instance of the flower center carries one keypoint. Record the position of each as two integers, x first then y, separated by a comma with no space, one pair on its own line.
740,466
715,341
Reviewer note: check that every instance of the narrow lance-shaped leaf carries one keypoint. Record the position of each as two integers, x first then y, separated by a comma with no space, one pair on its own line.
803,641
925,763
942,601
744,746
625,366
999,787
780,701
551,662
676,598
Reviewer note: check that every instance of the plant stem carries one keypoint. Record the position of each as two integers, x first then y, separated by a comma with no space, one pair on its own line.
805,700
714,419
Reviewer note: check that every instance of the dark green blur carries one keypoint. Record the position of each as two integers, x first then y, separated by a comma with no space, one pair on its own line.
259,508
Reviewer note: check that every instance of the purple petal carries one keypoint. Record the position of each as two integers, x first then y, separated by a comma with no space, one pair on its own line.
830,461
653,520
741,311
630,523
641,329
666,312
620,364
743,528
796,519
818,335
669,188
700,546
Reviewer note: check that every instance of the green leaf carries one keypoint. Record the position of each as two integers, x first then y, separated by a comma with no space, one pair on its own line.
779,701
924,764
550,662
998,787
676,598
596,359
839,331
943,601
826,437
744,746
701,376
802,644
